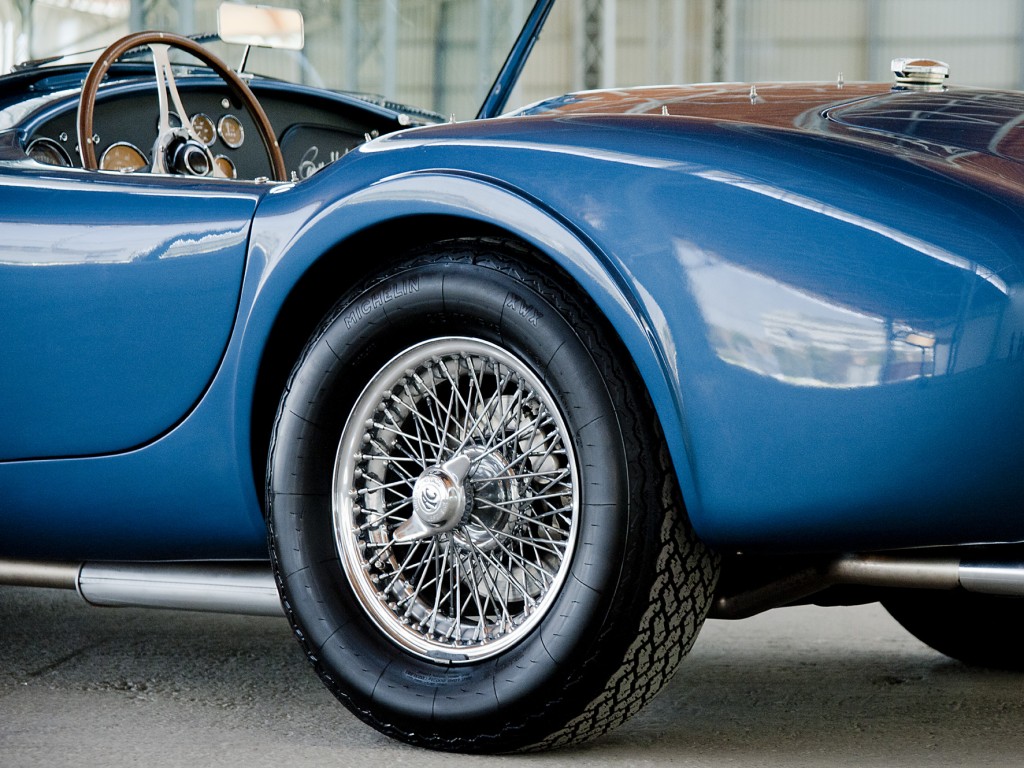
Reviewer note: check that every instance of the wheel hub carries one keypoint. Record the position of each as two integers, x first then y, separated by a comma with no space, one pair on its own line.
492,489
439,500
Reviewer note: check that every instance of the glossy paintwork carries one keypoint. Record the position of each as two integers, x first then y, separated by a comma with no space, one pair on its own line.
976,129
119,297
857,306
827,316
844,367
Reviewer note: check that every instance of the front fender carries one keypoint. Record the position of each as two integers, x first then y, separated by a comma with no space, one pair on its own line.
466,197
831,334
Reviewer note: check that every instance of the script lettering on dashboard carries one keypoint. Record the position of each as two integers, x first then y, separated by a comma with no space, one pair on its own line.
309,165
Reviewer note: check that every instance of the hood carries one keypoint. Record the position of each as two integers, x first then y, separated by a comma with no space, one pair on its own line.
947,123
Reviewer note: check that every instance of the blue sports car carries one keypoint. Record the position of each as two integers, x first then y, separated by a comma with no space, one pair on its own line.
497,412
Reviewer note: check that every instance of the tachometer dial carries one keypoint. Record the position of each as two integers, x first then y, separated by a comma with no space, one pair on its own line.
123,157
231,131
204,128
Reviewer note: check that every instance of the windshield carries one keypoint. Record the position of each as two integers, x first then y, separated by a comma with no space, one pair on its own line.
436,54
443,54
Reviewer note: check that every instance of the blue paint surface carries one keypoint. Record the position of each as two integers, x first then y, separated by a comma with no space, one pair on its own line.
828,317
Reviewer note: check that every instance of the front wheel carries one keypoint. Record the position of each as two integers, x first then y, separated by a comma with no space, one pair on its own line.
475,528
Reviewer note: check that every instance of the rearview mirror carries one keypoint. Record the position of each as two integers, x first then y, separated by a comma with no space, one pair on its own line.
260,25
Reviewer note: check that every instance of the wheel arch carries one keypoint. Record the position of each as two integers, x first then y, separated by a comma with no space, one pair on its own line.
316,291
421,209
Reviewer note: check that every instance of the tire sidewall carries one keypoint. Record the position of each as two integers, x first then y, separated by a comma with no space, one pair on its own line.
379,681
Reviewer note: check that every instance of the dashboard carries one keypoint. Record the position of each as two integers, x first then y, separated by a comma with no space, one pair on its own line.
313,128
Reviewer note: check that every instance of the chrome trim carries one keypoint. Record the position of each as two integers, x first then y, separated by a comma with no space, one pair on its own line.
203,122
435,506
54,145
248,588
244,588
919,71
233,143
118,146
218,162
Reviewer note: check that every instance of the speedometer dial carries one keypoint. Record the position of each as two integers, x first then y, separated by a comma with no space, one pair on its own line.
122,157
204,128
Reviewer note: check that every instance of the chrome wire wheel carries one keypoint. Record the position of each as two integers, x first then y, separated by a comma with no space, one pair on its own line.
455,499
474,522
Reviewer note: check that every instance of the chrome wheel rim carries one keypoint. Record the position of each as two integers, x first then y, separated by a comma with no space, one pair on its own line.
455,499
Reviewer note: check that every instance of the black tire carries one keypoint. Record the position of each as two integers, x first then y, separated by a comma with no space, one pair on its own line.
977,629
598,614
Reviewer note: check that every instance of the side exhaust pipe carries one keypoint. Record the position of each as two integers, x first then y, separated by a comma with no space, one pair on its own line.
875,571
245,588
248,588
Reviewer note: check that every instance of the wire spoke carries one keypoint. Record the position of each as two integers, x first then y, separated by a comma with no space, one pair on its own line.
475,585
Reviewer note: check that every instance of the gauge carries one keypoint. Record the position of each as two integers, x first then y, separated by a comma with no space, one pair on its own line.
231,131
122,157
225,167
173,121
204,129
48,152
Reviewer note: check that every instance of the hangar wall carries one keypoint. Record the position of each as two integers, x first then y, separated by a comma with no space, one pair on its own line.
393,46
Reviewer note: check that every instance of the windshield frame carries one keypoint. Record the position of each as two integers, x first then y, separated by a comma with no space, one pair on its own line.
499,93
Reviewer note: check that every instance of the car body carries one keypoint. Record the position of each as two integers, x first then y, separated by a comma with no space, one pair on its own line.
630,340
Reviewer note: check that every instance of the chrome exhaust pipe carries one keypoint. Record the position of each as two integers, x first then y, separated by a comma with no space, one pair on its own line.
248,588
919,573
245,588
993,579
888,571
242,588
29,573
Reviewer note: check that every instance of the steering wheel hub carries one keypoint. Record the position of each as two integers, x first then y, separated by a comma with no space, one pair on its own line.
191,158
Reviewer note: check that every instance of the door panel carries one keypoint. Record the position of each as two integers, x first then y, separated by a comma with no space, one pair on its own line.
117,298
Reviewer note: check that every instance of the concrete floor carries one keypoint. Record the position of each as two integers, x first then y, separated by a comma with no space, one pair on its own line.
84,687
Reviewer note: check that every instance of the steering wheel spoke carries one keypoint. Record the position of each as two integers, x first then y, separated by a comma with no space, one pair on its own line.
176,149
171,140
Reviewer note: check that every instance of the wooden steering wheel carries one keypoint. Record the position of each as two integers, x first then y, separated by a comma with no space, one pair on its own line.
168,136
